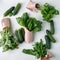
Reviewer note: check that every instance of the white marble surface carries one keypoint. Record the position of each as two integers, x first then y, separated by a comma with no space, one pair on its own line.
17,54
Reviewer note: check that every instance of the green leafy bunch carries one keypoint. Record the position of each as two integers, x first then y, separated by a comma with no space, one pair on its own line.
7,41
29,22
48,12
39,50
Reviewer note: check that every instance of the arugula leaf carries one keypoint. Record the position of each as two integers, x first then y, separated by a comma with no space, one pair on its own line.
39,50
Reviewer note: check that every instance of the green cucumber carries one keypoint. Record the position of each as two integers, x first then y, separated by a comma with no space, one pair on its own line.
50,36
48,42
17,8
52,29
9,11
20,35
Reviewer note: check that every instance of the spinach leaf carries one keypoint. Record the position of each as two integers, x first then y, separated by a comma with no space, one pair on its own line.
23,19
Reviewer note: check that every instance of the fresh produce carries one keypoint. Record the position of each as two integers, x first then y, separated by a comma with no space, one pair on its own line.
48,12
30,25
29,22
13,10
23,20
52,29
20,34
34,25
50,36
9,11
39,50
17,8
48,42
7,41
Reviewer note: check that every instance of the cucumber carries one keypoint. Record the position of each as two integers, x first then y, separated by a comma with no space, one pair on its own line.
52,29
50,36
48,42
20,35
9,11
17,8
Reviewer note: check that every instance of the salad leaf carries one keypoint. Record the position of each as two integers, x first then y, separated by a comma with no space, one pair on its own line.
33,24
23,19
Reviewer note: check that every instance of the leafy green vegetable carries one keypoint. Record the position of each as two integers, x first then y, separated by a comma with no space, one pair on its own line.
39,50
29,22
48,12
23,19
8,41
33,24
25,16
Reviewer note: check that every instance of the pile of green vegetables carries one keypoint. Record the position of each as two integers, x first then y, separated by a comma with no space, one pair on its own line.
8,41
13,10
47,11
29,22
39,50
